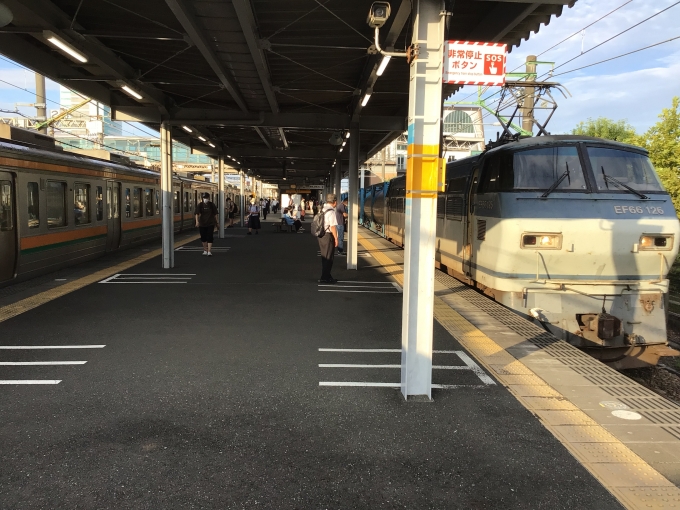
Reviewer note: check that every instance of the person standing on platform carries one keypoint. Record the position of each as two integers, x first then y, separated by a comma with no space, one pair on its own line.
275,206
263,208
302,210
329,241
253,217
206,219
341,214
230,212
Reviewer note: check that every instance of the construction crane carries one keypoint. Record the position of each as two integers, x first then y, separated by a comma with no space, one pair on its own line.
59,116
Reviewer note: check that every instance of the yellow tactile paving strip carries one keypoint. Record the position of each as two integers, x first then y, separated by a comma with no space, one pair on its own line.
626,475
9,311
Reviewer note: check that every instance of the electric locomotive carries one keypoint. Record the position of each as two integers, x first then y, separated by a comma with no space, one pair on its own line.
575,233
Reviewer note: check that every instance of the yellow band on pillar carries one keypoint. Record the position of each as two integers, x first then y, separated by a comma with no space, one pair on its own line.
424,171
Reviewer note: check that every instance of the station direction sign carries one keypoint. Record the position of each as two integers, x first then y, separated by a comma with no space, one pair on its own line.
474,63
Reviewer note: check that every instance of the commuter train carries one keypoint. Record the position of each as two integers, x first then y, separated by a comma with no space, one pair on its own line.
575,233
59,208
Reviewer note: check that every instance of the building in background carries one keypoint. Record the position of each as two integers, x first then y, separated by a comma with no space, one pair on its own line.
463,131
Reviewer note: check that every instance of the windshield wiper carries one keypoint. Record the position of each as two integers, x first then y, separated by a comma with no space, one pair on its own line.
558,181
607,178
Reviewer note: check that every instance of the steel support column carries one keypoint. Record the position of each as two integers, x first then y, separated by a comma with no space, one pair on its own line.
168,226
242,205
337,176
353,202
424,112
220,200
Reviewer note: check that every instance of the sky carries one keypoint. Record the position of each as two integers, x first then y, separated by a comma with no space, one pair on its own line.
635,88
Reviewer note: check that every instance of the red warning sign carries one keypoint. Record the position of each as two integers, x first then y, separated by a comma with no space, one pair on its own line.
474,63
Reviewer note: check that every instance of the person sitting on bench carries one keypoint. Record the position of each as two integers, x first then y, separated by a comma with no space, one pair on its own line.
293,221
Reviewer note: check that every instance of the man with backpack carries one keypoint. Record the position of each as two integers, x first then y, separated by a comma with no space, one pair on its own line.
324,227
206,219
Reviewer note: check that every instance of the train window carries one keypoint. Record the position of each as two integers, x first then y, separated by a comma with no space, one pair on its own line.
109,198
56,204
81,203
148,201
33,205
137,202
6,206
99,197
541,168
158,202
186,201
127,202
176,202
457,185
629,168
116,202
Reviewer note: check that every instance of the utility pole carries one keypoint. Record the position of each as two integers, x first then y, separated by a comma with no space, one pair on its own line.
40,101
528,108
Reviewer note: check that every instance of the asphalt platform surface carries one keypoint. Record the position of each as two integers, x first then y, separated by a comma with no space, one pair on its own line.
207,395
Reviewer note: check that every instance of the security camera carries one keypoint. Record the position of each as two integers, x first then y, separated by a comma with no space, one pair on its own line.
378,15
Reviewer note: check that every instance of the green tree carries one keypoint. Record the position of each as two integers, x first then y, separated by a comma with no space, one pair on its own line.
602,127
662,141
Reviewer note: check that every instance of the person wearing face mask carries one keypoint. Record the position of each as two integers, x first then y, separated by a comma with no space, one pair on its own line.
206,219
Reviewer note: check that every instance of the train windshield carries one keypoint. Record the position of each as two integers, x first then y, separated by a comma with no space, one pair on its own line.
630,168
534,169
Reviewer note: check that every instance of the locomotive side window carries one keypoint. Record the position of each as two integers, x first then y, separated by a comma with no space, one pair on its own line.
186,201
176,202
541,168
630,168
148,201
99,197
127,202
33,205
56,204
137,202
81,203
6,207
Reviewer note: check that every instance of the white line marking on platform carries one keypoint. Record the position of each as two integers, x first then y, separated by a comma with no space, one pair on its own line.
370,384
321,349
397,286
374,283
25,381
12,347
148,278
475,368
340,365
360,291
12,363
199,248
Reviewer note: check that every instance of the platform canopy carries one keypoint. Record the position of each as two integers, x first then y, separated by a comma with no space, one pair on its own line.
266,82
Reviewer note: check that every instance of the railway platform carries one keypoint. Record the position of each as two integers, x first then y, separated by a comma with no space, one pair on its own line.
239,381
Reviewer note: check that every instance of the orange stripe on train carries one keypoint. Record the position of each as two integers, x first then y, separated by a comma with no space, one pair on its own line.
60,237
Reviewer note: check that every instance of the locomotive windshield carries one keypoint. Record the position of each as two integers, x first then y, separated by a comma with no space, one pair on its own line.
630,168
535,169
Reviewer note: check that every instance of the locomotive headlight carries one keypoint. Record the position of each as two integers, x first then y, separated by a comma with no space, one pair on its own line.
542,241
656,242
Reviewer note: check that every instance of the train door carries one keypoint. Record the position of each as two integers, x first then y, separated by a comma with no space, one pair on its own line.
468,251
8,227
113,215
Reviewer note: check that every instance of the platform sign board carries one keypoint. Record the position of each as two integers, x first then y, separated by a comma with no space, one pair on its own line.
474,63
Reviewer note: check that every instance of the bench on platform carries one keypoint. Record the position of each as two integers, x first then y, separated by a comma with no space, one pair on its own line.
283,226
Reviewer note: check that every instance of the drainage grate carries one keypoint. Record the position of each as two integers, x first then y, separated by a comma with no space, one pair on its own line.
652,403
674,431
662,417
609,380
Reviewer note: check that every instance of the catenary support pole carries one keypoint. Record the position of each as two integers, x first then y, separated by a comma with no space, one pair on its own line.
353,202
40,100
168,227
423,159
242,205
529,92
220,199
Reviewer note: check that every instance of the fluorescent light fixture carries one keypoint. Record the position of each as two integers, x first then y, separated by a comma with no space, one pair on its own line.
366,98
187,129
285,178
133,93
347,135
341,149
383,65
344,143
211,144
201,139
57,41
